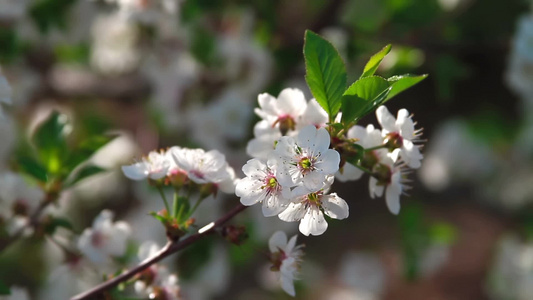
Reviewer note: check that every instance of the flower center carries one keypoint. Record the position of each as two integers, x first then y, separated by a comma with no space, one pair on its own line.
393,140
314,198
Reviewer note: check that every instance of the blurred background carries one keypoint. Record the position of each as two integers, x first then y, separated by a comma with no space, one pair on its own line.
159,73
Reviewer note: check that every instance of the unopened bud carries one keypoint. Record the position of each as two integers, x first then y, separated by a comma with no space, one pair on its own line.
393,140
235,234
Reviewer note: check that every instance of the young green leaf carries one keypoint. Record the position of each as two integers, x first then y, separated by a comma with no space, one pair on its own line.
325,72
362,97
84,172
86,149
373,64
32,167
50,141
402,82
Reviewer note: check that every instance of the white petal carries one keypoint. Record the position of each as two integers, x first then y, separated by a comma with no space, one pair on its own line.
277,241
137,171
290,245
294,212
392,194
374,188
329,162
306,137
273,204
335,207
313,222
321,142
254,167
292,102
405,125
314,181
249,190
287,282
348,172
385,119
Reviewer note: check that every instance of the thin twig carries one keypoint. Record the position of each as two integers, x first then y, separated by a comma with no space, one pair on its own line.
168,249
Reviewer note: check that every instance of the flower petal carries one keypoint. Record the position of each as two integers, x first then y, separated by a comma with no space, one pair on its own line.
277,241
385,119
335,207
313,222
294,212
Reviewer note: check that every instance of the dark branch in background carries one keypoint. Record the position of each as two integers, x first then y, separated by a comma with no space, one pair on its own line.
168,249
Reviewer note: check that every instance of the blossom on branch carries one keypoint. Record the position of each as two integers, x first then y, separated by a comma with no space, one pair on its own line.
261,186
104,239
286,258
400,135
154,166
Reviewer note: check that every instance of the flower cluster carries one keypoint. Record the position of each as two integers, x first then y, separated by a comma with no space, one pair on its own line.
178,165
156,282
296,159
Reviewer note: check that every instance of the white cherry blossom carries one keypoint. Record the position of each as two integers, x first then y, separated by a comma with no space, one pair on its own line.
309,209
282,112
306,159
104,239
314,114
286,258
154,166
368,137
392,183
400,132
156,279
264,141
205,167
261,186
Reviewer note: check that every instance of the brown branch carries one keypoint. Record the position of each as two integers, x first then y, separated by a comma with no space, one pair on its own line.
168,249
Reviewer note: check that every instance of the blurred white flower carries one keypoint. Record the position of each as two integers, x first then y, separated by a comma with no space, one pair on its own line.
222,121
17,293
13,10
18,200
154,166
454,156
363,274
114,47
155,281
511,275
282,112
264,141
5,92
286,258
104,239
205,167
314,114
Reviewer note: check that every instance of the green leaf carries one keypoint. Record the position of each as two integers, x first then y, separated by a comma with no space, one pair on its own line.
50,141
4,289
325,72
32,167
373,64
362,97
86,149
403,82
56,223
82,173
